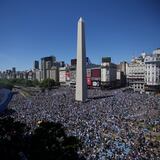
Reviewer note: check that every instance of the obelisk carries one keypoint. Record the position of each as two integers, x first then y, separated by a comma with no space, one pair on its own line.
81,83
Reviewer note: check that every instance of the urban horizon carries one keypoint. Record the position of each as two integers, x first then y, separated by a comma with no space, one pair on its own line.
68,63
120,30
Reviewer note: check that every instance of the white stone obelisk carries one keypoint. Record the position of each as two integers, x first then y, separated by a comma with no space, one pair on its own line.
81,83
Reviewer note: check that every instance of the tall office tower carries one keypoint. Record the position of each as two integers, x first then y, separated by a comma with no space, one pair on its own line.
74,61
81,85
36,65
46,64
13,72
14,69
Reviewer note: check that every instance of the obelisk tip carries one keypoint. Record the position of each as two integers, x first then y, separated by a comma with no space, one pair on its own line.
80,19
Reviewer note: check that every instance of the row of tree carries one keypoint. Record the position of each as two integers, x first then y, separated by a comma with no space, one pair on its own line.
47,142
45,84
4,83
49,84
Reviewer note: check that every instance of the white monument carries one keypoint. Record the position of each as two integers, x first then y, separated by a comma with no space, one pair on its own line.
81,83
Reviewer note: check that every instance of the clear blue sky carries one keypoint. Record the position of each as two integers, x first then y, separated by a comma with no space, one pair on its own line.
31,29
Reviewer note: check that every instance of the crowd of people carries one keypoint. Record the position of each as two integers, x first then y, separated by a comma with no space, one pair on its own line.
112,124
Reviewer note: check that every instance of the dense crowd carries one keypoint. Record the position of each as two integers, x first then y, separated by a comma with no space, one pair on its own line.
115,124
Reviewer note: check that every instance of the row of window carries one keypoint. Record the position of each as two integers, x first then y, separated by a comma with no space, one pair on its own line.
153,59
152,66
156,73
153,80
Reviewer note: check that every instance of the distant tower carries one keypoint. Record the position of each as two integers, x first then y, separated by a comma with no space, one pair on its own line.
46,64
36,65
81,84
14,70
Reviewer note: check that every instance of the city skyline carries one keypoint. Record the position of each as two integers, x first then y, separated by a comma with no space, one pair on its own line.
31,30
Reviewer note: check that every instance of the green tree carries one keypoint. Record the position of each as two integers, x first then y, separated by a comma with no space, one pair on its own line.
47,142
11,139
47,83
4,83
36,82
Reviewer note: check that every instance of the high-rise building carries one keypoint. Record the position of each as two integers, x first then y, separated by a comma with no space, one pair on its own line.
62,64
36,65
54,73
122,69
13,69
13,73
74,61
106,59
46,64
37,74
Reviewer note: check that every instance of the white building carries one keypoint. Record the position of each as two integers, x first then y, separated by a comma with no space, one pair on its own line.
54,73
136,73
152,74
30,75
37,73
143,73
108,72
62,75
